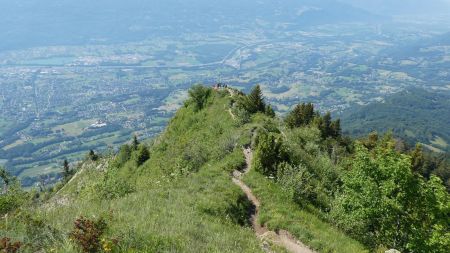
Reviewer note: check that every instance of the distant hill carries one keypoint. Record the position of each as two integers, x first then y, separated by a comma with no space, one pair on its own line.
415,115
31,23
402,7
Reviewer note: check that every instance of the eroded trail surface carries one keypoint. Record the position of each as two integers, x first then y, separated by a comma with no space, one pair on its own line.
281,238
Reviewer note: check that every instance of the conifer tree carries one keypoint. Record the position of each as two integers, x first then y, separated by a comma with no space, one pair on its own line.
255,100
336,128
269,111
302,115
308,113
417,159
6,178
293,120
142,155
324,125
92,155
135,143
66,169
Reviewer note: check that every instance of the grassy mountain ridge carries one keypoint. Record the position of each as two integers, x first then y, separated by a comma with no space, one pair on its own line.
176,194
180,200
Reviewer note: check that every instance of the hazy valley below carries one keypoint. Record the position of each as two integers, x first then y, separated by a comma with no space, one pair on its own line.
305,126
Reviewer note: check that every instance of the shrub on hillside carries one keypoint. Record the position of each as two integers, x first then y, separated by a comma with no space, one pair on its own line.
113,186
241,115
142,155
194,156
13,198
123,156
384,203
7,246
39,234
268,153
8,202
87,234
296,181
199,95
92,155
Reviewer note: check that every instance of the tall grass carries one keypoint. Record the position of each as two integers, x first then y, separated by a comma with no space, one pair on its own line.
278,211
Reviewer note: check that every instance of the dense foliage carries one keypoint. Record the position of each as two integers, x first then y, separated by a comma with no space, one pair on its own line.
11,196
384,203
372,189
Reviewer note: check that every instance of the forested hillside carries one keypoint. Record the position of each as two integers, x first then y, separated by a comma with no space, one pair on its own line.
414,115
298,179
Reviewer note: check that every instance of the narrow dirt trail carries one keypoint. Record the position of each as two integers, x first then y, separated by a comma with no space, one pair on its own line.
231,114
281,238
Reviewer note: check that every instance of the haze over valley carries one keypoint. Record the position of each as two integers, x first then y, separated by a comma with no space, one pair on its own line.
81,75
225,126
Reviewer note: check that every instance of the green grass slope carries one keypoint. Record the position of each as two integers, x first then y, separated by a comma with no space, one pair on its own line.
182,199
280,212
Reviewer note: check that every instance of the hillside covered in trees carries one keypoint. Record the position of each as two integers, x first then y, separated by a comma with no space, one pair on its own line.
415,115
224,158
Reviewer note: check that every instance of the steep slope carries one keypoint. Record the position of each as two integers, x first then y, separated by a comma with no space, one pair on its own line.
182,199
175,205
192,190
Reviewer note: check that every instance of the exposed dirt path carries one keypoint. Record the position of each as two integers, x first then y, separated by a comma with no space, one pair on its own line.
231,114
281,238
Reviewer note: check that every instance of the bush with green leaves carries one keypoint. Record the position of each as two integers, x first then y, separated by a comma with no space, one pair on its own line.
199,95
242,116
92,156
13,197
383,202
296,181
268,153
123,156
194,156
309,184
113,185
